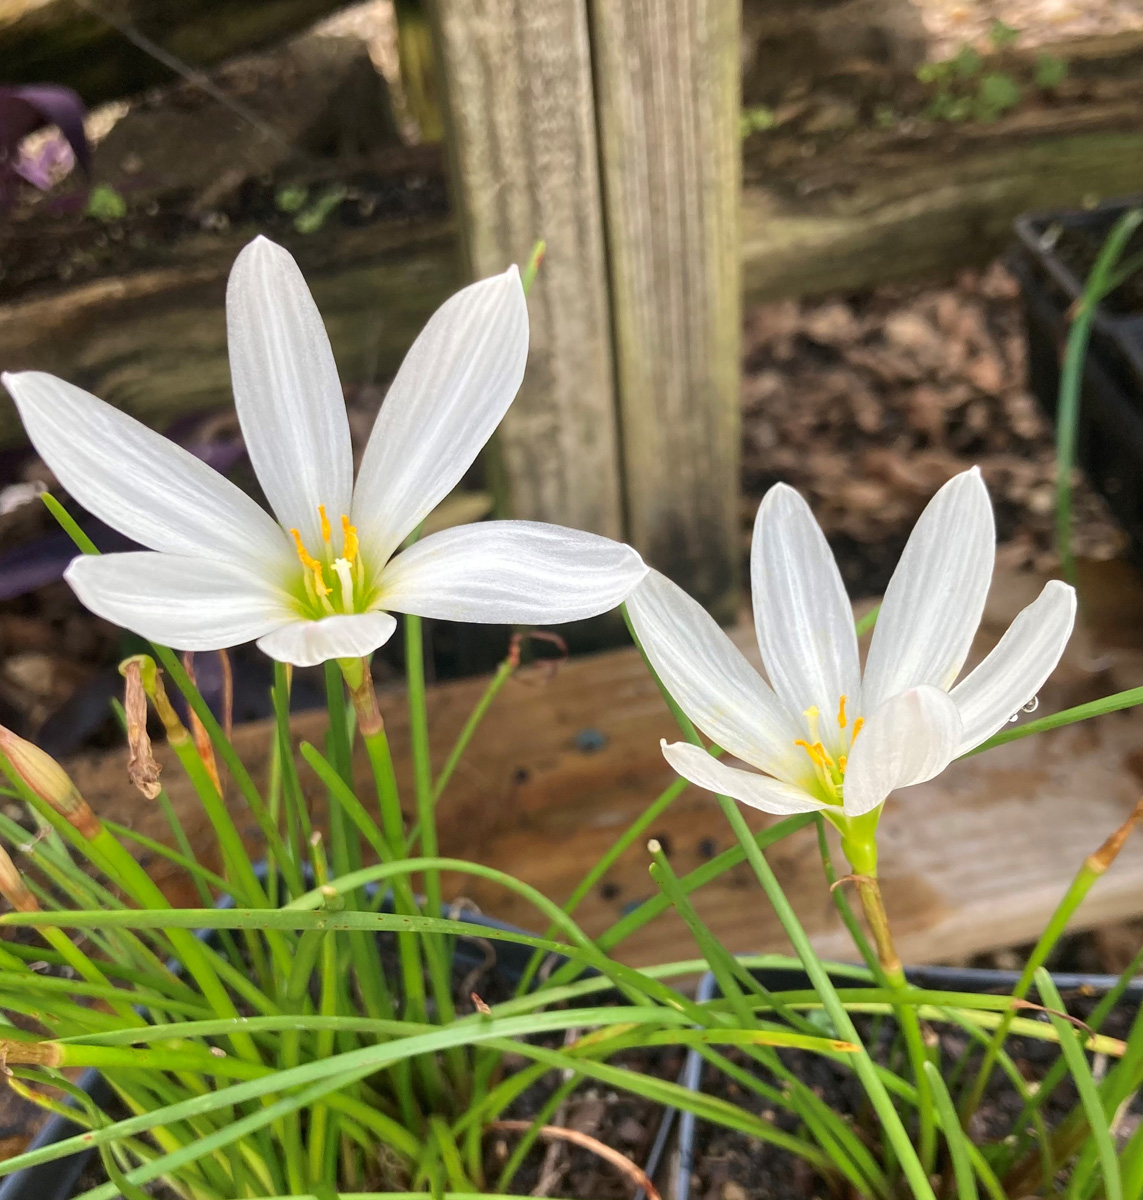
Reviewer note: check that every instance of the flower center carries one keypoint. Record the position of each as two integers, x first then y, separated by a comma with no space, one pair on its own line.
333,584
829,770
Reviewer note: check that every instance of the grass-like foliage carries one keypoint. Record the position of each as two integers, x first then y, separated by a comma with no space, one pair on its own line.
264,1050
302,1039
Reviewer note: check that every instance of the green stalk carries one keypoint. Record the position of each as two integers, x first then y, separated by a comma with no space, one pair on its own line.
1131,1164
422,764
202,876
77,885
845,911
1069,716
1027,1095
954,1136
1098,284
1093,868
869,889
60,1055
408,947
1072,1048
437,951
503,673
393,824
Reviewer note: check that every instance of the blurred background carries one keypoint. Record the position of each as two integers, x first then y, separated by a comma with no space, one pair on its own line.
780,246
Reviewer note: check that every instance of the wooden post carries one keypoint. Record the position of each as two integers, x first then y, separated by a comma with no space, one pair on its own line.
521,133
667,86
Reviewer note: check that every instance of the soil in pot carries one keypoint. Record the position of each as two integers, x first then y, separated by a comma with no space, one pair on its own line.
730,1166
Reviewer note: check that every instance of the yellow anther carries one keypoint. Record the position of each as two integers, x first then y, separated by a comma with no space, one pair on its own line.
817,753
310,563
841,713
325,529
842,760
856,729
812,749
349,539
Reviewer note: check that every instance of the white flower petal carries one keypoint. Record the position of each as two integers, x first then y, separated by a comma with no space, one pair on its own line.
709,678
286,390
511,573
801,612
934,601
759,791
186,603
307,643
909,739
1018,666
140,482
451,392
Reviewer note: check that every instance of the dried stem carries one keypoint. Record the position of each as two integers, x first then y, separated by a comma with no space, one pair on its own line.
586,1142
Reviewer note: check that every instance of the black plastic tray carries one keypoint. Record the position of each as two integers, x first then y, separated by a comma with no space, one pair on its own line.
1118,335
1110,432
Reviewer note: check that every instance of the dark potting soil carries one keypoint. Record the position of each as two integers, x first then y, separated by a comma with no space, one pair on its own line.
619,1120
731,1166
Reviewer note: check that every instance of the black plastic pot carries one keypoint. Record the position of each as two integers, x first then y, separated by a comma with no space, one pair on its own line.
57,1180
953,979
1110,435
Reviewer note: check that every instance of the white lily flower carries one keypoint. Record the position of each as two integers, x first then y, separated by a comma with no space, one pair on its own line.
322,580
824,736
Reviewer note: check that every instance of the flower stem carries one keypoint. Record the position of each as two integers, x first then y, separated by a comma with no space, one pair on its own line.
372,727
873,905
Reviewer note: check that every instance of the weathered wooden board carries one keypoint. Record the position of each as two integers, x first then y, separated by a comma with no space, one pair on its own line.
667,77
522,143
973,860
84,46
154,343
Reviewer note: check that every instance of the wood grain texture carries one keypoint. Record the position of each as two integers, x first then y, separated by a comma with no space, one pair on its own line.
153,343
521,135
667,86
974,860
67,41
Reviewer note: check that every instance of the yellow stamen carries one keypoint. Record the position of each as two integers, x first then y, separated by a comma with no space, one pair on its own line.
310,563
856,729
812,749
818,753
842,760
325,529
349,540
841,713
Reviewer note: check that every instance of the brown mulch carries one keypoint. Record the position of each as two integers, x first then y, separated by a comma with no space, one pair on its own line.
868,403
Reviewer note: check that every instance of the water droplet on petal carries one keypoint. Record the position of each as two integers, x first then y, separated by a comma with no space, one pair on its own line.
1014,718
1032,705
